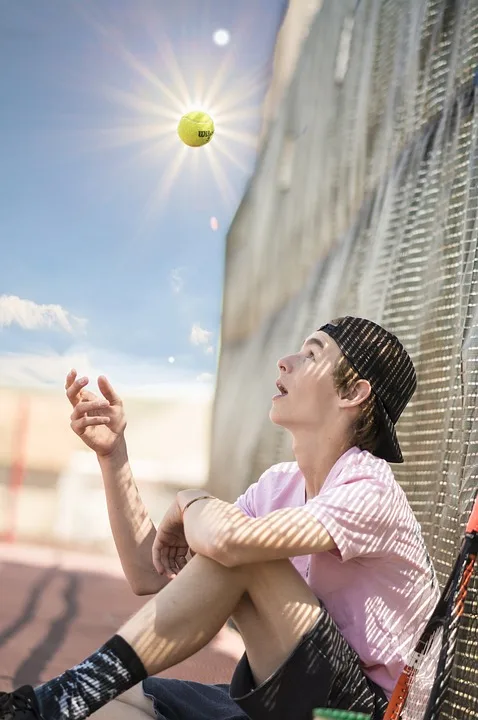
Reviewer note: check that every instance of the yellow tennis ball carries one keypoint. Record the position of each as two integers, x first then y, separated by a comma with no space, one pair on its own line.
196,128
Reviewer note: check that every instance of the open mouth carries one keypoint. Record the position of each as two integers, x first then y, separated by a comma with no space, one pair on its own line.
281,388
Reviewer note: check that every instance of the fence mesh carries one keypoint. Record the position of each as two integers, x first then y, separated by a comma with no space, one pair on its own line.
364,201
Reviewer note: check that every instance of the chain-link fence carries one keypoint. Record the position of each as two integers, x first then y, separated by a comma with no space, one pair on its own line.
364,201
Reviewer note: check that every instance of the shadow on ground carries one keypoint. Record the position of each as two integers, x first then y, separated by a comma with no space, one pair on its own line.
52,616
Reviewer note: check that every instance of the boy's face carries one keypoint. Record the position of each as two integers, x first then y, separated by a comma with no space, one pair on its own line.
307,398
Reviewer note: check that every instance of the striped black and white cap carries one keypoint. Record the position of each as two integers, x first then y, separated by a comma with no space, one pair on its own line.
379,357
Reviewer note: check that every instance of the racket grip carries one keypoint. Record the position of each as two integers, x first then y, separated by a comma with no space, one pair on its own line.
472,525
328,714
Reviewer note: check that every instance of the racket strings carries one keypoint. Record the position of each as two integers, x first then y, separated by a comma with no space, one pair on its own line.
444,674
441,656
425,666
410,697
423,685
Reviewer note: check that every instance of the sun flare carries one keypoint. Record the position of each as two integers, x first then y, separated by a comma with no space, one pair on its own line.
149,108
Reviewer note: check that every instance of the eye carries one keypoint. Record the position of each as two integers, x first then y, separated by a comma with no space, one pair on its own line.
310,354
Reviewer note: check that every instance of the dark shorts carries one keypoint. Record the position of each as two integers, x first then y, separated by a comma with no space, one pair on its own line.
322,671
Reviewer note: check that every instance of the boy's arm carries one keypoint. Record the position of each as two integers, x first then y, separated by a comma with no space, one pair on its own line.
132,528
222,532
100,421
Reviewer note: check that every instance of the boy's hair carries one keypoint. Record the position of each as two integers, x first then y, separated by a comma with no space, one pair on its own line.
366,429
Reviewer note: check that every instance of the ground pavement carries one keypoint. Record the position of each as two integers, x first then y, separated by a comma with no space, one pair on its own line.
56,607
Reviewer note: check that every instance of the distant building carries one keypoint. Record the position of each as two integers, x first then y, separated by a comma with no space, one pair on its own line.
50,486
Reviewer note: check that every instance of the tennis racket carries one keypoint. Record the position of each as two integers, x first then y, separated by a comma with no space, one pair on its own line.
422,687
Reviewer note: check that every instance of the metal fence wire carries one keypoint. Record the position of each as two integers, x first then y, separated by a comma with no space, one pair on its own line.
364,201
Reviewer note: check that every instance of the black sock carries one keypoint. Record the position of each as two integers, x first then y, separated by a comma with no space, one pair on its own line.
79,692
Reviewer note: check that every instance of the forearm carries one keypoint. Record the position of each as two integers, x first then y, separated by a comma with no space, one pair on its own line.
222,532
219,530
200,517
132,528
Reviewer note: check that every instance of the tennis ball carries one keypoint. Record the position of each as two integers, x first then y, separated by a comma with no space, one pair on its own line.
196,128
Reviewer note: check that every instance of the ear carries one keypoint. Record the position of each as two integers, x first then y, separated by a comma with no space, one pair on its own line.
359,392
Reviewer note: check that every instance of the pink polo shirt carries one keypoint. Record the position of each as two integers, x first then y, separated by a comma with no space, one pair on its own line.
379,586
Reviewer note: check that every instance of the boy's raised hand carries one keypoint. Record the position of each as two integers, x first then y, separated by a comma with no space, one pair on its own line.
98,421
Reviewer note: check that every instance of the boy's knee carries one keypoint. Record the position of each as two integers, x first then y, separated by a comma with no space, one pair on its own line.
272,573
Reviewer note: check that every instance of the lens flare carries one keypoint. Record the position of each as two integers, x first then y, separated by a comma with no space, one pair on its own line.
156,94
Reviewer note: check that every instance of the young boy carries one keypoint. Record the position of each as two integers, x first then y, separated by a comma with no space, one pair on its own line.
321,563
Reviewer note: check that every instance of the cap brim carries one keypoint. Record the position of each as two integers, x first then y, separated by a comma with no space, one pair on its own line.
388,447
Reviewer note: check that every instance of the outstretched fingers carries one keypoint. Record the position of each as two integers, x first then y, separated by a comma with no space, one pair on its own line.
70,378
74,387
108,391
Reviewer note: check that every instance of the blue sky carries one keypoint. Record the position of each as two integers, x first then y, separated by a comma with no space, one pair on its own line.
109,260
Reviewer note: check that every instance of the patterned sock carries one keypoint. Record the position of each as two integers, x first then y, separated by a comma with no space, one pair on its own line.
79,692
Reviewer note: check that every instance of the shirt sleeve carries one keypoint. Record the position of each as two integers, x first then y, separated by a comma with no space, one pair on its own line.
359,516
246,501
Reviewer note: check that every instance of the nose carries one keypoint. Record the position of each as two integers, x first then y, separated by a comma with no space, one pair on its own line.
285,364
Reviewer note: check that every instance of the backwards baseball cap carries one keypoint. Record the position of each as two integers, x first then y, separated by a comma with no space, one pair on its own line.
379,357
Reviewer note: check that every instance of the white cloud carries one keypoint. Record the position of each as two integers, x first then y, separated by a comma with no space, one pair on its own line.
199,336
176,279
131,376
31,316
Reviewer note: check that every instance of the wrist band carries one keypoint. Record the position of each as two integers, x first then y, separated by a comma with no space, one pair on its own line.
203,497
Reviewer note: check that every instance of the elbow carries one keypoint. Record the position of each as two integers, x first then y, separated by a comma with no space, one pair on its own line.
141,590
149,585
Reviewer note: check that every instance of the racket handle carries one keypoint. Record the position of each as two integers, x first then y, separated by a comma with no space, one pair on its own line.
472,525
328,714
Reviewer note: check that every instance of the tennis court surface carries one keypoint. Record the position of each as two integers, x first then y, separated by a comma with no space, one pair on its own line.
56,607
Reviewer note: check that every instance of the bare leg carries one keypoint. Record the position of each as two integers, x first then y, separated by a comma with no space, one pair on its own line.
272,602
131,705
117,710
